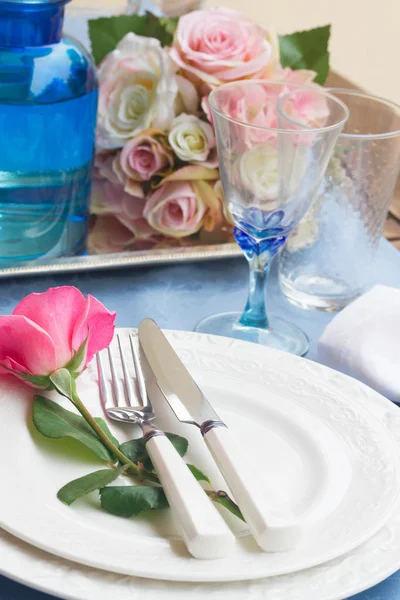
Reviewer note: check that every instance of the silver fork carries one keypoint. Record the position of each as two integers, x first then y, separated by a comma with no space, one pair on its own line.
204,531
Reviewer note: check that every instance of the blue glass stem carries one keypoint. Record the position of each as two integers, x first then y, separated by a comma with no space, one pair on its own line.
255,312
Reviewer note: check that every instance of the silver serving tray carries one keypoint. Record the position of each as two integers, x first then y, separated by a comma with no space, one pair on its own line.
140,258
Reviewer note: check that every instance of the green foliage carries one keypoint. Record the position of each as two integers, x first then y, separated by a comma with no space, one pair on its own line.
307,50
105,33
88,483
54,421
130,501
198,474
224,500
64,383
136,450
169,23
77,360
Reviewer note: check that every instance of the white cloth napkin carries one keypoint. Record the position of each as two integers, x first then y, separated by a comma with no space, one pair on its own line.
363,341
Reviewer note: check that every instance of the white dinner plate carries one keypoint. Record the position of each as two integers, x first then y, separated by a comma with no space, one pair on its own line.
308,432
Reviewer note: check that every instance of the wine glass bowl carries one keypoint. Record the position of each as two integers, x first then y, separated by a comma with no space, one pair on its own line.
274,142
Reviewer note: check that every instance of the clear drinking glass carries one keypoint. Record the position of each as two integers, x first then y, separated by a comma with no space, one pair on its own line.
327,261
274,143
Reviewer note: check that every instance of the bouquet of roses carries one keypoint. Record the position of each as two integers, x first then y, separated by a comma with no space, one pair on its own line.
156,178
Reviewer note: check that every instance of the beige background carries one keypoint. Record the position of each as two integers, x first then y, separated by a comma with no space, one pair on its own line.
365,36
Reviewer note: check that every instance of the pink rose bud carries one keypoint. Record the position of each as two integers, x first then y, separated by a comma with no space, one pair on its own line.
144,156
46,330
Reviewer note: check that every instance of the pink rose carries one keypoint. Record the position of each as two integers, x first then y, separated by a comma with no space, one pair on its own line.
174,209
144,156
252,103
300,76
110,199
219,45
104,166
307,108
255,103
185,202
108,235
46,330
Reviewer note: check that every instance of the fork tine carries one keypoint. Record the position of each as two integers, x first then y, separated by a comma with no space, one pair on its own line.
127,378
118,392
104,393
139,374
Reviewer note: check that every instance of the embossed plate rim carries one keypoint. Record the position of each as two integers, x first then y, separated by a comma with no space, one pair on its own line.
137,258
354,572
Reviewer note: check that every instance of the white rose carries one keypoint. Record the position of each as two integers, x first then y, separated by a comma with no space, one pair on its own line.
137,90
259,172
267,176
191,138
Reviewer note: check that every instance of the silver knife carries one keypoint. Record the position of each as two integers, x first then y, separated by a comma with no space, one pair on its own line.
271,522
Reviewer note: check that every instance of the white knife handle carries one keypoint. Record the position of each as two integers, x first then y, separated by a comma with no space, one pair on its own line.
204,530
271,523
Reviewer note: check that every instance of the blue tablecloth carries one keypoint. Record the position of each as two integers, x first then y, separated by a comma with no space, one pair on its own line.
177,297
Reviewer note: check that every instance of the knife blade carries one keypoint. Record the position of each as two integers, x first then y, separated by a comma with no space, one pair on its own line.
270,520
174,380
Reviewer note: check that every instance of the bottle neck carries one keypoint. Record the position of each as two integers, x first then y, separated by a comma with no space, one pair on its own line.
24,24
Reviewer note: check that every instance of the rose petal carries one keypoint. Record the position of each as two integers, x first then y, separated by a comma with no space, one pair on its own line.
55,311
26,346
210,198
97,322
188,95
190,173
109,235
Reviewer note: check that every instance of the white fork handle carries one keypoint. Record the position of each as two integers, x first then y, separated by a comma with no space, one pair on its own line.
204,531
272,524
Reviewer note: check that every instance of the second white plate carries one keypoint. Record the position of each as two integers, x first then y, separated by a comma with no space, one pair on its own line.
334,460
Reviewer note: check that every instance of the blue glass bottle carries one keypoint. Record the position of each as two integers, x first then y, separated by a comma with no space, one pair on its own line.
48,103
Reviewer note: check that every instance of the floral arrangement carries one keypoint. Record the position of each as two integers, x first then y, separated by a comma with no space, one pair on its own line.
47,343
156,178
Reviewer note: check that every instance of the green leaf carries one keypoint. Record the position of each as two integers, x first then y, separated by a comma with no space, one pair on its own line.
64,383
136,450
179,443
130,501
78,359
223,499
105,33
54,421
169,23
307,50
198,474
88,483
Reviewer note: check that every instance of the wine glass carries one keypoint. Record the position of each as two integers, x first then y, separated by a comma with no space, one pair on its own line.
274,142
